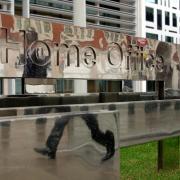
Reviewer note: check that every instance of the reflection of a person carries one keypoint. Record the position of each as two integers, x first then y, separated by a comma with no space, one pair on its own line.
106,139
5,128
164,52
31,68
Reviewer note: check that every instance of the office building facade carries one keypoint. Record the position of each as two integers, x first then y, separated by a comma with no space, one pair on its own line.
161,20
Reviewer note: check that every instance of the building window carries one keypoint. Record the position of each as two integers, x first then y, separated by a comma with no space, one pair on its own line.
169,39
159,19
167,19
150,14
152,36
174,20
152,1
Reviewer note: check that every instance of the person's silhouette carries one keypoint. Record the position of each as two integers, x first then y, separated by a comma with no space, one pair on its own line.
36,65
106,139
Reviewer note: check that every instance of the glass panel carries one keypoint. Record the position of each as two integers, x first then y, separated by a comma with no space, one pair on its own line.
69,146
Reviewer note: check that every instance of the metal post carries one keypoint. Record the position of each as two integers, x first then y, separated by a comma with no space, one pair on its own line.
160,89
168,149
79,19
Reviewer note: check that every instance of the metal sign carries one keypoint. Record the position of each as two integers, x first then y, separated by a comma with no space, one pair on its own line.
37,49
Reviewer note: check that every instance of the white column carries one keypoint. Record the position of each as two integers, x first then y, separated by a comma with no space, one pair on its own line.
140,86
79,18
79,13
26,8
9,84
140,18
12,7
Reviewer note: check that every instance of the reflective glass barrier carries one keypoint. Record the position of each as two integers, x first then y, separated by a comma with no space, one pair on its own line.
139,121
88,134
78,145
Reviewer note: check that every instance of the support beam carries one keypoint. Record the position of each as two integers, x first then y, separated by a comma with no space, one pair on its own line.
168,149
140,86
160,89
79,19
168,154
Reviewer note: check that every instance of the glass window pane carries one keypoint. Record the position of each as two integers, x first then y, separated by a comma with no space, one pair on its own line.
169,39
152,1
149,14
159,19
174,20
152,36
167,18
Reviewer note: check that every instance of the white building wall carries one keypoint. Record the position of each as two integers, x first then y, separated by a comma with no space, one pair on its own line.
79,19
171,6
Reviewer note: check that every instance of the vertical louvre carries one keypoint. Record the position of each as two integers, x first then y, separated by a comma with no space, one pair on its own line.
114,15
